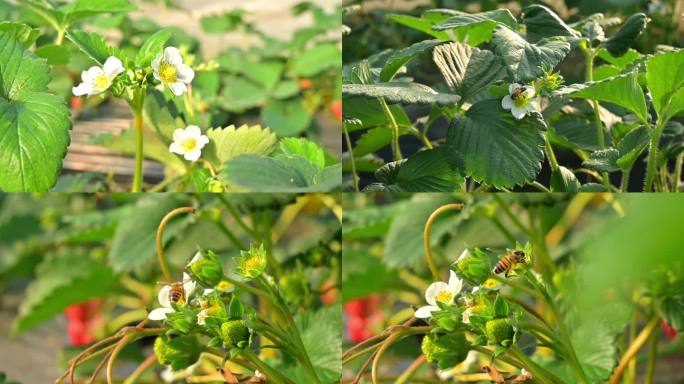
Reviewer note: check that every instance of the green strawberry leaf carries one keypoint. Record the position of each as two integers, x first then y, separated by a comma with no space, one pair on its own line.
498,149
399,92
34,124
525,61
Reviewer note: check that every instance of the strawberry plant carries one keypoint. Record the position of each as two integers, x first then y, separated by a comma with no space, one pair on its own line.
523,288
500,101
212,287
193,115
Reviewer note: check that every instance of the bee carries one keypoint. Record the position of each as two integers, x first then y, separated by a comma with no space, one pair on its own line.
519,92
508,261
177,292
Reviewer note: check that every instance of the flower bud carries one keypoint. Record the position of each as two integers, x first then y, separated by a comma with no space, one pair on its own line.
207,268
474,267
179,352
500,331
252,263
215,185
235,334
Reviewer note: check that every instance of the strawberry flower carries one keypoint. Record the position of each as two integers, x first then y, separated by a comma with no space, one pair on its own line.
163,297
188,142
97,80
520,100
442,292
169,69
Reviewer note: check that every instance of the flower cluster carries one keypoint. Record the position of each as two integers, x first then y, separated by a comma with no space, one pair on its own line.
477,317
171,72
204,304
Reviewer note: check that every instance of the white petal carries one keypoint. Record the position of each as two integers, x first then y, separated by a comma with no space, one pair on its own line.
112,66
532,106
202,141
426,311
464,254
163,296
529,91
455,284
193,155
193,131
178,88
465,317
179,135
188,285
82,89
207,291
176,148
475,289
197,256
90,75
513,87
172,56
507,102
185,73
155,62
432,291
159,313
518,113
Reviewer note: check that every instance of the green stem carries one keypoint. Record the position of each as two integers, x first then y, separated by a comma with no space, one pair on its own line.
396,151
562,330
653,156
268,244
60,36
540,186
271,373
279,302
624,184
536,370
137,107
352,160
510,214
550,154
236,215
229,234
590,53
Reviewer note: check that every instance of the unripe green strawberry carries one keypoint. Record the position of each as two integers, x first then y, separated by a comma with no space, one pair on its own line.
235,334
429,348
179,352
499,331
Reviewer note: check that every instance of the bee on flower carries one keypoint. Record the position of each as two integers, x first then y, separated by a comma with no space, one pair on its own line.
442,292
96,80
188,142
520,100
166,297
169,69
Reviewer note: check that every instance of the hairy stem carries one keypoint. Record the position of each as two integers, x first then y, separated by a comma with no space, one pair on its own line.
426,235
352,160
138,171
160,238
396,151
653,156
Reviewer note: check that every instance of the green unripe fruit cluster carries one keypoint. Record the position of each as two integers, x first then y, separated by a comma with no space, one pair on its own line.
179,352
429,348
235,334
499,331
445,350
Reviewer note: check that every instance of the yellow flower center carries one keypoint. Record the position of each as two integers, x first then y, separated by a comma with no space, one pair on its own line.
101,82
252,263
223,285
444,297
520,99
189,145
167,73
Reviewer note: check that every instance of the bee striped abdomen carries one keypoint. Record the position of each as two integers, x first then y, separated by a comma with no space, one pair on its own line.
176,293
504,263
